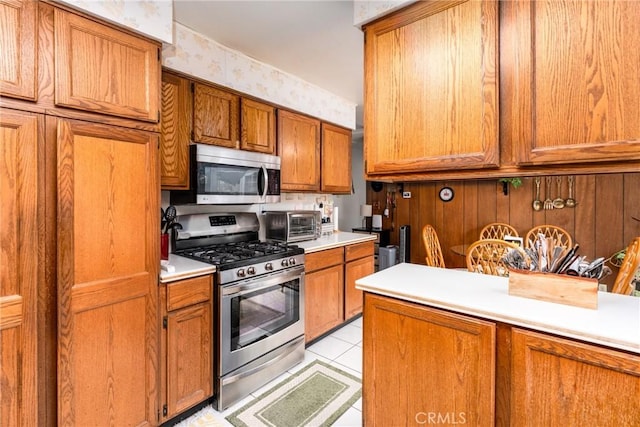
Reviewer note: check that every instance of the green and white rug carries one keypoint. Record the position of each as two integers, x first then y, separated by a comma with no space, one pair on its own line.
317,395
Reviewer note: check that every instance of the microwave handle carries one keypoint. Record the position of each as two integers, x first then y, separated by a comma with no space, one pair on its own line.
265,179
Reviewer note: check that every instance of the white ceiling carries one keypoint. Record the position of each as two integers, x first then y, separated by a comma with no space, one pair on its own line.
311,39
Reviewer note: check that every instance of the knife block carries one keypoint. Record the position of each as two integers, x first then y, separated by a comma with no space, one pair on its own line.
558,288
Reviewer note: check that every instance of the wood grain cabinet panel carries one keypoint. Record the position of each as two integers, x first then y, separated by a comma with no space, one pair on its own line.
175,132
215,116
323,300
101,69
18,37
572,80
257,126
187,344
421,362
21,243
431,89
335,159
555,381
108,261
299,150
353,271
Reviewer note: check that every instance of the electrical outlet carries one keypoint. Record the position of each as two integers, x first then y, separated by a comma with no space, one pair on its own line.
406,194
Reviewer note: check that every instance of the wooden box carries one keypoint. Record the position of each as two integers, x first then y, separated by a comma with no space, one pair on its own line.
559,288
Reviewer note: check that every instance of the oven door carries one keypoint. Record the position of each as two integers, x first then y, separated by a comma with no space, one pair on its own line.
259,315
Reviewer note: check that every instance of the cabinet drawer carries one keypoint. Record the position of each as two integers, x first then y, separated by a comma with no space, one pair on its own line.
188,292
358,250
323,259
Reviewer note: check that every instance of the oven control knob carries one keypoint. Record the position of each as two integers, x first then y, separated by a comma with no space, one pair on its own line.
268,266
240,272
251,270
285,263
292,261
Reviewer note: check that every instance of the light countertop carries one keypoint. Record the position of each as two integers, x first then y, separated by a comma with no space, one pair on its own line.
335,240
615,323
184,268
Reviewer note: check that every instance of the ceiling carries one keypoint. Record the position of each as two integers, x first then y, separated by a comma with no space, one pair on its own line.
311,39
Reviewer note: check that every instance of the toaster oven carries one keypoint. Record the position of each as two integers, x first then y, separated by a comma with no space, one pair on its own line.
293,226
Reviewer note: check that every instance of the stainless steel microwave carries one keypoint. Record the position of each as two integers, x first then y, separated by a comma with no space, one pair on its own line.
293,226
222,175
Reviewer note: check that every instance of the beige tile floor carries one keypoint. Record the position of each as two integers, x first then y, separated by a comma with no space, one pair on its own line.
342,349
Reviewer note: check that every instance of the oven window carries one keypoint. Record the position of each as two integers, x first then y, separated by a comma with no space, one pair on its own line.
263,313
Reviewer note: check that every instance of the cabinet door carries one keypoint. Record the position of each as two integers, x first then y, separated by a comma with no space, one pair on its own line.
215,116
421,362
431,89
175,132
108,258
572,81
335,159
18,47
299,151
189,363
323,301
101,69
258,126
20,258
353,271
588,385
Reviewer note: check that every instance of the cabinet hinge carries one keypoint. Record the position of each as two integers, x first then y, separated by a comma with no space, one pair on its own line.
164,410
164,322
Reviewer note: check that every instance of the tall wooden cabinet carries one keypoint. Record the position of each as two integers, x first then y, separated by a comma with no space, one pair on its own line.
431,89
108,261
574,83
21,264
18,72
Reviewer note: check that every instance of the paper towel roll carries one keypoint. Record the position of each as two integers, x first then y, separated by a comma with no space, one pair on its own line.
376,221
335,218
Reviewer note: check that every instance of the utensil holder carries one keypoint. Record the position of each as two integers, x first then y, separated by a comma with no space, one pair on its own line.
164,246
558,288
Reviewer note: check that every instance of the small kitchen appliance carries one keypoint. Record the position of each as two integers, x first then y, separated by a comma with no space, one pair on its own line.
292,226
259,300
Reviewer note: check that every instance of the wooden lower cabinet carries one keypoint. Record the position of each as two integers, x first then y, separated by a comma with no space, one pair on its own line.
556,381
323,292
359,262
187,347
428,366
108,261
423,365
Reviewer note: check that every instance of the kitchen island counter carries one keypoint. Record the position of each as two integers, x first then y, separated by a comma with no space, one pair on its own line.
615,323
334,240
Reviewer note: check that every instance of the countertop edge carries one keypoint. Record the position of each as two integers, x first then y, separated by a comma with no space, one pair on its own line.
335,240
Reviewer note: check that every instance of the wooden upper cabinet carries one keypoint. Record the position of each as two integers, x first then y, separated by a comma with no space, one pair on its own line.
573,80
257,126
335,159
101,69
215,116
175,132
299,150
431,89
18,47
21,271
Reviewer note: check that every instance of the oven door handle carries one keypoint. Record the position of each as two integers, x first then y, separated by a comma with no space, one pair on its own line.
240,289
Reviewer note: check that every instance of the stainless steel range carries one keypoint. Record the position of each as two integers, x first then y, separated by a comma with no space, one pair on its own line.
259,310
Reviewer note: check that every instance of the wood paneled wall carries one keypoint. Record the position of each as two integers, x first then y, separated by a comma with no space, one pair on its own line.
602,222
